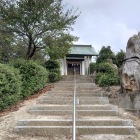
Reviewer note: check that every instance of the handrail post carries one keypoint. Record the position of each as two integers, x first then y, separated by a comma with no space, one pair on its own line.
74,108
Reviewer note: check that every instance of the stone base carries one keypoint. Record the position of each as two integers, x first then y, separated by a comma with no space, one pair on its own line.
129,101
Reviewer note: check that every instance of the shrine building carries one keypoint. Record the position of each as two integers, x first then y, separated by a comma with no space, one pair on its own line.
79,58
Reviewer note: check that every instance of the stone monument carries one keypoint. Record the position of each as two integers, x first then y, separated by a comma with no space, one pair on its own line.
130,98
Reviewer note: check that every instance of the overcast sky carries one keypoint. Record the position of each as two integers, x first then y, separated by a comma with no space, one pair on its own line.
106,22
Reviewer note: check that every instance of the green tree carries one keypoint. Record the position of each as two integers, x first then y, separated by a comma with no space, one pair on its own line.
6,50
32,21
105,54
58,46
119,58
19,50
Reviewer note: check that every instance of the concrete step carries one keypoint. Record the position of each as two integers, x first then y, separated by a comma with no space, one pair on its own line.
94,114
79,122
96,90
81,99
79,113
77,89
69,89
78,107
78,86
77,81
54,102
81,80
81,102
81,130
81,93
72,89
66,82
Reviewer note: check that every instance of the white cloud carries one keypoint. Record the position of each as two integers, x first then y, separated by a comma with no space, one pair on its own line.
106,22
122,34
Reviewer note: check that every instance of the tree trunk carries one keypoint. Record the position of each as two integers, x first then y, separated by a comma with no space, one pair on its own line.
32,51
31,48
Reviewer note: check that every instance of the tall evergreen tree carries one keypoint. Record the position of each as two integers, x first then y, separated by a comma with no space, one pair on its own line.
119,58
105,54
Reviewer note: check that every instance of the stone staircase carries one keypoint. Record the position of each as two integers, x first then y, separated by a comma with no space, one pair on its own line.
94,116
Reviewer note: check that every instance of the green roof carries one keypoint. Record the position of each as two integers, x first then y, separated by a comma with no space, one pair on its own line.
82,50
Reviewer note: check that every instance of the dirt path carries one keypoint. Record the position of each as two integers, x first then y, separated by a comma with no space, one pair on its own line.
8,121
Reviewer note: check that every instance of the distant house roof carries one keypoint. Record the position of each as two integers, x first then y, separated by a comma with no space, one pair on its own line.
87,50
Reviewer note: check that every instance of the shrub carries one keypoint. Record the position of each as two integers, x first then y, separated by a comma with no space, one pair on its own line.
34,76
106,68
107,75
92,67
52,77
57,71
10,86
108,80
53,66
98,75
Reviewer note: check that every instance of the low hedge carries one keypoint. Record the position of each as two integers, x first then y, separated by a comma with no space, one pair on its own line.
10,86
34,76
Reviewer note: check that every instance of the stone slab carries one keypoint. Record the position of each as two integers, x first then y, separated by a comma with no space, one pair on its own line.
79,112
81,102
79,122
78,107
81,130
